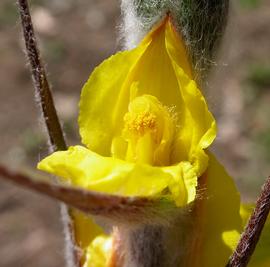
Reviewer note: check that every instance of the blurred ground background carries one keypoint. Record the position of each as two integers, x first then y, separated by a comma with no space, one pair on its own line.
74,37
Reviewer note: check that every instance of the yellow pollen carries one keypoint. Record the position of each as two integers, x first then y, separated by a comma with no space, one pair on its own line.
140,123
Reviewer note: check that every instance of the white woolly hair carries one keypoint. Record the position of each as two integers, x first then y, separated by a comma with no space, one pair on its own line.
201,23
135,26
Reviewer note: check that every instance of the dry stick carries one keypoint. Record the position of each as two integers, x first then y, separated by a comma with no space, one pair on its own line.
41,84
45,100
87,201
252,232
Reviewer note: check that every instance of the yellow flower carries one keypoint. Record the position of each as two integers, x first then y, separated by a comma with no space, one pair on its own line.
146,125
144,122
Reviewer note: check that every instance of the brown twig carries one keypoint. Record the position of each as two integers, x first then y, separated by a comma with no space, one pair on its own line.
131,209
42,88
252,232
44,97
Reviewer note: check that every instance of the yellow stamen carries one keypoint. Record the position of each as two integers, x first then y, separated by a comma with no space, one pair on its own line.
148,130
139,124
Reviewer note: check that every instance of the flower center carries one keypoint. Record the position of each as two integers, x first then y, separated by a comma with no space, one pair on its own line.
147,134
139,124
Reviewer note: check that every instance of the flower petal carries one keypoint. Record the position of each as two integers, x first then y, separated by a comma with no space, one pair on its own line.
84,168
98,253
199,126
154,74
199,129
176,49
99,97
219,216
86,231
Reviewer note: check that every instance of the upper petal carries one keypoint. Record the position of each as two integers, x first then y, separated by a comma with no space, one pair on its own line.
99,97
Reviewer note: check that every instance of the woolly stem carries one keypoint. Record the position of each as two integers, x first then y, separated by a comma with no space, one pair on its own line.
45,100
40,81
253,230
200,22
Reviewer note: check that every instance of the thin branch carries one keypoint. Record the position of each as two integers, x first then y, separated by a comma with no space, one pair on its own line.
131,209
40,81
44,97
252,232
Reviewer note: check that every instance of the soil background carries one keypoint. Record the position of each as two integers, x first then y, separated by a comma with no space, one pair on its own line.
74,37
